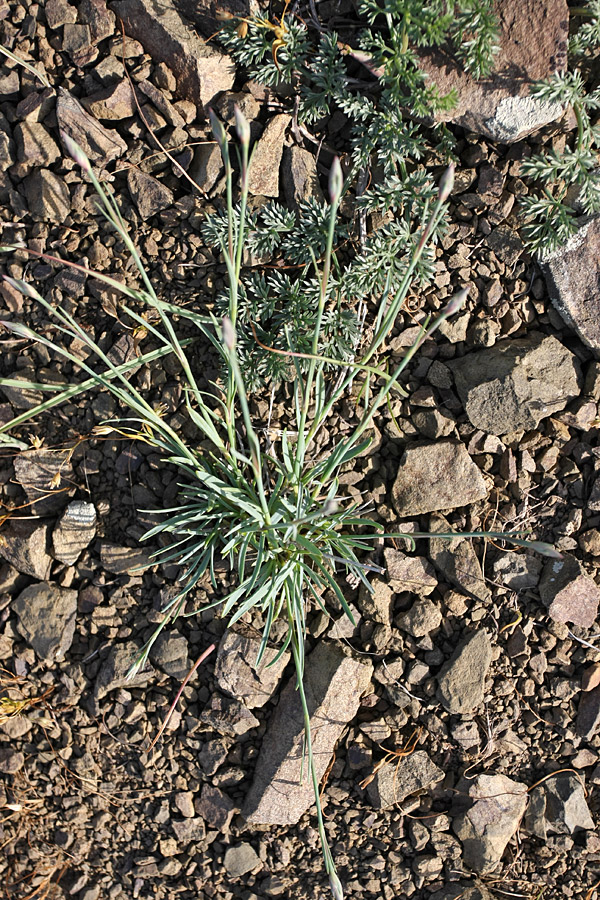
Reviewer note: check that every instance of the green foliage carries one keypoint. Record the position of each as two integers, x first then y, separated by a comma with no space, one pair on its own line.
550,218
586,39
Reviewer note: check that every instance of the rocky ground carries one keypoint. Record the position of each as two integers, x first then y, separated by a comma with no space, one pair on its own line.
458,725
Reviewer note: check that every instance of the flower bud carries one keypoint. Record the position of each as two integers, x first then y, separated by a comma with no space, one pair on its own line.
241,126
457,302
217,128
335,886
446,183
228,332
336,181
74,150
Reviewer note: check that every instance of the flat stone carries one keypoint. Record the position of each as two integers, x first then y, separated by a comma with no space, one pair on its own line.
591,677
409,573
47,619
42,474
377,604
206,166
114,671
570,594
24,544
11,760
299,176
215,807
517,383
263,177
20,397
75,531
572,274
435,476
518,571
189,830
123,560
588,714
99,19
422,618
240,860
48,198
169,652
201,71
35,145
456,560
499,106
558,806
236,672
494,808
394,783
148,193
59,13
334,682
228,717
112,103
461,682
101,145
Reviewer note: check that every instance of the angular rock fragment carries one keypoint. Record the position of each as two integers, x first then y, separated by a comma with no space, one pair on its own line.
515,384
47,619
201,71
394,783
423,617
572,274
48,198
409,573
42,474
21,397
148,193
114,671
215,807
74,532
461,682
24,544
228,717
334,682
456,560
170,653
236,672
123,560
112,103
518,571
588,714
263,179
558,805
488,819
240,860
499,106
299,176
35,145
435,476
101,145
570,594
206,166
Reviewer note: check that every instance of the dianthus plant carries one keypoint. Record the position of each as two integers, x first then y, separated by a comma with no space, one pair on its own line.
275,513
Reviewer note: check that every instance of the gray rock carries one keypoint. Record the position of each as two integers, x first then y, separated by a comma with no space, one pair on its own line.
206,166
570,594
74,532
114,102
409,573
59,13
236,672
435,476
572,275
101,145
24,545
461,681
334,682
423,617
35,146
499,106
201,70
518,571
240,860
48,198
263,178
22,397
228,717
515,384
148,193
456,560
299,176
123,560
42,474
394,783
588,714
376,604
558,805
215,807
47,619
114,671
100,20
170,653
189,830
492,817
11,760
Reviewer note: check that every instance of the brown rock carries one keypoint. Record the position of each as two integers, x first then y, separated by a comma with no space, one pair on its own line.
588,714
334,682
24,545
201,71
148,193
99,144
35,146
299,174
48,196
43,475
47,619
591,677
394,783
123,560
74,532
487,825
435,476
114,102
235,668
533,45
263,179
573,275
570,594
409,573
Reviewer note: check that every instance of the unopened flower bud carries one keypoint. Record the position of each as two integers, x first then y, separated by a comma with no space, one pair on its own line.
241,126
228,332
457,302
336,181
446,183
335,886
74,150
217,128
